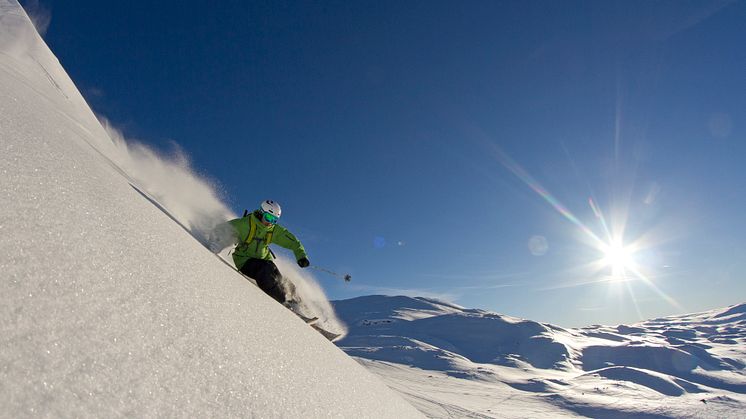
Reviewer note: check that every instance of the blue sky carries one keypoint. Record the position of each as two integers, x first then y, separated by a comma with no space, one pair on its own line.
453,148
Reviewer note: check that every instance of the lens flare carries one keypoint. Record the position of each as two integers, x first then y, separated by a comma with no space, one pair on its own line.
617,256
532,183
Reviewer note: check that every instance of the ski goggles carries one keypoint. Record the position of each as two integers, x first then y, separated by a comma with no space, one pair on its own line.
270,218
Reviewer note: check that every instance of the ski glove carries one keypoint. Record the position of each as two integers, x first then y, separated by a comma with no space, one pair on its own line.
303,262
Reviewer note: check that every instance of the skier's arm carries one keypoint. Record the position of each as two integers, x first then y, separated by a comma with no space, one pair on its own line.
239,227
282,237
225,234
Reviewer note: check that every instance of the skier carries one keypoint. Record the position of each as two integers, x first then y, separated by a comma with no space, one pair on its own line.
252,256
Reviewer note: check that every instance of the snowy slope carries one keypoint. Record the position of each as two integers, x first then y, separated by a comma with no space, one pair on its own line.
111,308
447,360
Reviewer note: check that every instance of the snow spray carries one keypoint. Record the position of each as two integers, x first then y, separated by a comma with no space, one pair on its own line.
194,202
170,180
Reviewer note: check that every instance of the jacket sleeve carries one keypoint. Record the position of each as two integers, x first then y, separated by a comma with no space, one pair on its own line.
224,235
239,228
282,237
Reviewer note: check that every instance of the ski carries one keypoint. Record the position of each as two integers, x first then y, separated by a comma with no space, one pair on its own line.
327,334
309,320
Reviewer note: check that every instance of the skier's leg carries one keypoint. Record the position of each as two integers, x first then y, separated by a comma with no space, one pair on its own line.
251,268
261,271
269,279
285,288
290,293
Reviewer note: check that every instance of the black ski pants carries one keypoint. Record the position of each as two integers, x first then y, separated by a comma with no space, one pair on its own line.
269,279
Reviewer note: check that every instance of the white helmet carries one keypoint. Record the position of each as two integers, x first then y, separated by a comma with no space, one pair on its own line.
272,207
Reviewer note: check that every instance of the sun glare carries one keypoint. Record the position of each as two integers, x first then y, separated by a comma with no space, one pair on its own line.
616,256
619,258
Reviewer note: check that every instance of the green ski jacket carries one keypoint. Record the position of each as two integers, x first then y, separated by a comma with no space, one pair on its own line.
254,239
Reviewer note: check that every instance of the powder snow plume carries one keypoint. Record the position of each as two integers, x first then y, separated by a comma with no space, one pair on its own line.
193,201
170,180
314,300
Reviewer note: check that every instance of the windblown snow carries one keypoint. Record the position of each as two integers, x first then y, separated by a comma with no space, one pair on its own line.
451,361
109,306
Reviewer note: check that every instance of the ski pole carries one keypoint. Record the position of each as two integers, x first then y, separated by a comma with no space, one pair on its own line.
346,277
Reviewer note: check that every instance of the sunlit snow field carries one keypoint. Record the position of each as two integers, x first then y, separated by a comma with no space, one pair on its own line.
451,361
112,306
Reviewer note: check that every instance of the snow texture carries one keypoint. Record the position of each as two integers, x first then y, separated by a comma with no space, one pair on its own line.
109,306
451,361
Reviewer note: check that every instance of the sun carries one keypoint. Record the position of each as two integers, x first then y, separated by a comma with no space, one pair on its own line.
619,258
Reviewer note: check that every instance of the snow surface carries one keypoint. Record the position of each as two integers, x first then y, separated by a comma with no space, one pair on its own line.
449,361
109,306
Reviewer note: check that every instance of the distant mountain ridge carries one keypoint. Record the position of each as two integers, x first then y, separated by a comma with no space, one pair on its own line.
687,355
476,335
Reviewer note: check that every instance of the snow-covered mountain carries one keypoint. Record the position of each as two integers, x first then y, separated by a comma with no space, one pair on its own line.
452,361
109,307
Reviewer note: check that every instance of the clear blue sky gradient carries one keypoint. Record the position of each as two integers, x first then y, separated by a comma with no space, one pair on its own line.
388,130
